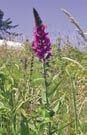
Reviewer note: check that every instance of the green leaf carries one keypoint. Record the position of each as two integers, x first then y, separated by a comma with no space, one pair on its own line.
43,96
33,129
1,105
24,126
59,103
55,88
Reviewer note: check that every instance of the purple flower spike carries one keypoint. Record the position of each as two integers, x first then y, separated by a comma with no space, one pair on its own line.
41,42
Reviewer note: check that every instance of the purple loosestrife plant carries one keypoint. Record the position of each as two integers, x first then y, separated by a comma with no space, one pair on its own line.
41,42
42,48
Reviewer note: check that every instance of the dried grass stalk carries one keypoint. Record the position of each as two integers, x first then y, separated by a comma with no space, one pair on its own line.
74,61
80,31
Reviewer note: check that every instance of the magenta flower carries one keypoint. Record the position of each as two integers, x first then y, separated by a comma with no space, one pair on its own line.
41,42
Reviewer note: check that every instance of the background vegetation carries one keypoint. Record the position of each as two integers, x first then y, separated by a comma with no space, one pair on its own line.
23,109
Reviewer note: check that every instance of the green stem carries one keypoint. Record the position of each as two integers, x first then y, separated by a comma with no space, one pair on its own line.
50,133
75,108
46,92
45,80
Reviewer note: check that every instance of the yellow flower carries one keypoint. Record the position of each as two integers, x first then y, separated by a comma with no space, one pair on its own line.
73,65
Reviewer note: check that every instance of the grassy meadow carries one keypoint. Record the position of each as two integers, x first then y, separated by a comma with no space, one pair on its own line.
31,104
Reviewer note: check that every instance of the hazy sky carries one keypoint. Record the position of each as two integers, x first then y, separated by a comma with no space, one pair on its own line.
50,12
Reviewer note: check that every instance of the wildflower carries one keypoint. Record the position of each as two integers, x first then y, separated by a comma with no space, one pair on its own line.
41,44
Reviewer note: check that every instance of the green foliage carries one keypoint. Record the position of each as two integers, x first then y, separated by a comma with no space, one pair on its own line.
29,105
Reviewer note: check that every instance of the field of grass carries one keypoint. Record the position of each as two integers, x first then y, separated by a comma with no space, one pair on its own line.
43,100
